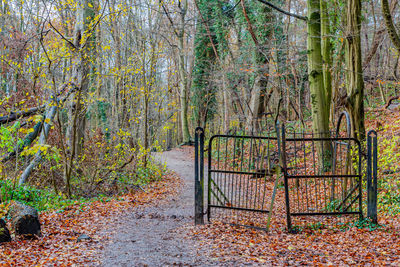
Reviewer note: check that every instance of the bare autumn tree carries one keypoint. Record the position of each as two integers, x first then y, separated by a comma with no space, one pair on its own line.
179,30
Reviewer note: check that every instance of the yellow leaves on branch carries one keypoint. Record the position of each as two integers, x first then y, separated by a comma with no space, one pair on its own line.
4,209
36,118
35,149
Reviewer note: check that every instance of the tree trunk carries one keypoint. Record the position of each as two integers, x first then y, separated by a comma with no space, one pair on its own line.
326,54
389,24
183,76
49,116
354,72
257,100
183,94
320,115
262,61
85,46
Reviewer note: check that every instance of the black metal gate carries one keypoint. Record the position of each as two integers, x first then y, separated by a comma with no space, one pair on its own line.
239,167
322,175
238,170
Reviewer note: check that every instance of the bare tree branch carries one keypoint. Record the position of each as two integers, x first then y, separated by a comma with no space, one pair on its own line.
283,11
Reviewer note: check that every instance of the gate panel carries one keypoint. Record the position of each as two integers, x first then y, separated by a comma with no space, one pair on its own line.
239,170
322,176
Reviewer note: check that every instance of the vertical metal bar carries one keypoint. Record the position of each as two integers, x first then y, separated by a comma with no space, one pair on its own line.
375,178
372,171
359,181
268,167
217,175
241,169
196,177
209,180
236,168
233,177
226,165
199,176
201,193
283,153
314,160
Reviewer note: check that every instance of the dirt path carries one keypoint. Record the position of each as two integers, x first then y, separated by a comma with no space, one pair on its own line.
153,235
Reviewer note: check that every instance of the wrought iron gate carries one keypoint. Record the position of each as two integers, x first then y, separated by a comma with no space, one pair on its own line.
322,175
238,169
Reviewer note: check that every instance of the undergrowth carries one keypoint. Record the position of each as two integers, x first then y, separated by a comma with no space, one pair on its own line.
48,199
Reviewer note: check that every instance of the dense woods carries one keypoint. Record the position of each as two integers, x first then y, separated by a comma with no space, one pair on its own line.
89,89
111,81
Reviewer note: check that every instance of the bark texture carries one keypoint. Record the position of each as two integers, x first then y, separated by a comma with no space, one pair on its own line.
320,114
389,24
326,53
354,71
24,219
183,75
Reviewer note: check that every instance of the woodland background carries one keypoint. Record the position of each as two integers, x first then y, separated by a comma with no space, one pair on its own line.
90,88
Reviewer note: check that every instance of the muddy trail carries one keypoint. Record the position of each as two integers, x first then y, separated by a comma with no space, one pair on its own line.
155,235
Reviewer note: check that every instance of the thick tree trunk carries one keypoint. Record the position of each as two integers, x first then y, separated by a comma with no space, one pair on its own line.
257,101
326,54
354,72
320,115
24,219
183,75
85,47
183,91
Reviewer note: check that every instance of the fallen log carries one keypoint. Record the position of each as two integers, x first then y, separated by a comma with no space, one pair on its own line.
4,233
24,219
391,100
13,116
51,110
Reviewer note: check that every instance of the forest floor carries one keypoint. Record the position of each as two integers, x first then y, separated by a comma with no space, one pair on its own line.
137,229
164,235
156,234
155,228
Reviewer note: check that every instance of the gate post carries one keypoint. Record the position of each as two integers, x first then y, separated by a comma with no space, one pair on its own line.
282,139
372,176
199,176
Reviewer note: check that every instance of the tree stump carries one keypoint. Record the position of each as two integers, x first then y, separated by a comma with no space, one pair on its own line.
4,233
24,219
